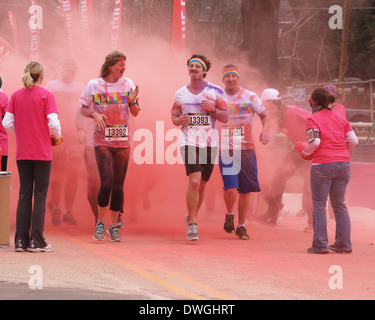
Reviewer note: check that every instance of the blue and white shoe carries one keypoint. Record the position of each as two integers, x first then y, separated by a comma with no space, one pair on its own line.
113,232
19,247
32,248
99,232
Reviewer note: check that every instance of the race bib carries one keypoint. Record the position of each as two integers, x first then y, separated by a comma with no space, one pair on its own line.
199,119
116,132
233,131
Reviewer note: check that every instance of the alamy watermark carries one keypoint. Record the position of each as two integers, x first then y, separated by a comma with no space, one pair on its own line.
335,21
153,148
336,281
36,18
36,280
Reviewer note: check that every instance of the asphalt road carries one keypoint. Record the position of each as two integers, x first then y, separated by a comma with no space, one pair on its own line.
159,264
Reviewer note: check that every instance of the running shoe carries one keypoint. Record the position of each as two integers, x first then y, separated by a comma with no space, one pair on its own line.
32,248
282,214
267,218
192,232
312,250
99,231
47,248
69,218
113,232
337,250
229,223
241,233
19,247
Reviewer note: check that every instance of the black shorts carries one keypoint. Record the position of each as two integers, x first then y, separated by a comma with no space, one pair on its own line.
199,160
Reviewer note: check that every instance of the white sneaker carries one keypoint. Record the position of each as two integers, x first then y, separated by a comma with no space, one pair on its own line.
282,214
47,248
192,232
32,248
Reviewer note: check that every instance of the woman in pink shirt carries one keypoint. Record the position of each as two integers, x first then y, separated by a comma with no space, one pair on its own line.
330,137
32,115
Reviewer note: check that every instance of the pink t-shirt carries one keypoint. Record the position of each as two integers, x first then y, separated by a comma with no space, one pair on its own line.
333,129
30,108
3,133
295,123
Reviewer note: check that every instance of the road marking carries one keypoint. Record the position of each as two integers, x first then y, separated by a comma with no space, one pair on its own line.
209,292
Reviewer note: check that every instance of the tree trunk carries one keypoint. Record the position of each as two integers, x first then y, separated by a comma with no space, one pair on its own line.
344,43
260,21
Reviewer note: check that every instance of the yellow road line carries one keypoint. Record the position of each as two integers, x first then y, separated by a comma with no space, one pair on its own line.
148,275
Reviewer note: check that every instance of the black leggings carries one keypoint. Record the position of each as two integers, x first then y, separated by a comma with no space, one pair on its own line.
112,165
4,163
34,181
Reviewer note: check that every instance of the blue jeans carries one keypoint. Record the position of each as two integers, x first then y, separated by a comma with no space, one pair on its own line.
330,179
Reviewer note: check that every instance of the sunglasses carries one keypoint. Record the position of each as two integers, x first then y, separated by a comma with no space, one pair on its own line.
311,101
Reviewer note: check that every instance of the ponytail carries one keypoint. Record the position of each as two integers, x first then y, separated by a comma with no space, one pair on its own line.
331,99
32,72
321,96
27,80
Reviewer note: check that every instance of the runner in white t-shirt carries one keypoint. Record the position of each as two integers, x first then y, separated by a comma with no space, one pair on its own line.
237,159
196,108
113,98
67,158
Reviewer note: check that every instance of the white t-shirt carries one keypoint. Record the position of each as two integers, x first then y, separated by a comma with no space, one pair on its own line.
66,95
201,130
237,132
110,99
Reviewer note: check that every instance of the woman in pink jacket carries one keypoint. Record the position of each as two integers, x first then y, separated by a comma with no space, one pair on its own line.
32,115
330,137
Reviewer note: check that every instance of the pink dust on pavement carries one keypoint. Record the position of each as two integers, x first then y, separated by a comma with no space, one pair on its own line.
273,263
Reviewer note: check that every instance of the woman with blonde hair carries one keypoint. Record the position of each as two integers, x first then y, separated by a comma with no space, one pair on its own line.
32,115
113,98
